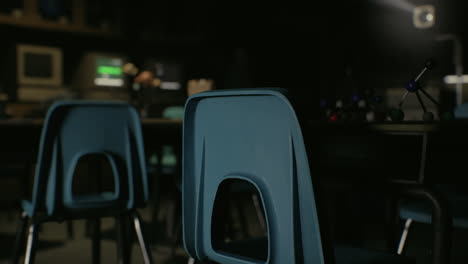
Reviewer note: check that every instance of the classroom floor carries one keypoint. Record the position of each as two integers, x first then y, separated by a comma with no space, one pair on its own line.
56,247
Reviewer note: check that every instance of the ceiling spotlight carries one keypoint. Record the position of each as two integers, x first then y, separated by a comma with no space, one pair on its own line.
424,16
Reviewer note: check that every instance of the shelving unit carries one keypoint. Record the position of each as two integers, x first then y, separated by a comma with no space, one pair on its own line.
53,26
31,18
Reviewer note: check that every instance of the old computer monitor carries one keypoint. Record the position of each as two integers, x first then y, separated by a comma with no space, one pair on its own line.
168,88
39,66
108,71
39,73
100,76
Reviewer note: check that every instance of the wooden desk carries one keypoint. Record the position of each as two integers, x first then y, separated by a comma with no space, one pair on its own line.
403,159
409,152
20,136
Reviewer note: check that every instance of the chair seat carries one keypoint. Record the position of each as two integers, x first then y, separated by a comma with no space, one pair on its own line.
350,255
421,211
96,204
94,200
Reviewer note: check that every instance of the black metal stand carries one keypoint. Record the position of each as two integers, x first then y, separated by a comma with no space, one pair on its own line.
414,86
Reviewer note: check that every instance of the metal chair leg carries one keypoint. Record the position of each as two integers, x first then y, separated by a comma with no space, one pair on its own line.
170,218
123,240
31,245
144,249
177,237
392,220
260,213
70,232
243,222
404,236
20,235
96,241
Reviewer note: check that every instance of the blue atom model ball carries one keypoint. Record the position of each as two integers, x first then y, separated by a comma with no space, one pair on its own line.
412,86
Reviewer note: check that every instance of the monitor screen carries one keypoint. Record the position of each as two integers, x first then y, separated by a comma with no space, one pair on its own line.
108,71
170,75
37,65
167,88
99,75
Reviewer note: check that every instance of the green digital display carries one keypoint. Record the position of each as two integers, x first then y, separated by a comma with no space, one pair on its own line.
111,70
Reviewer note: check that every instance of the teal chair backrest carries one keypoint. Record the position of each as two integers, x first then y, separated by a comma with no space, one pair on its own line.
74,129
251,135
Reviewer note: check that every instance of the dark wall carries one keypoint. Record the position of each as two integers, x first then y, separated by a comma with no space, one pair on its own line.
328,49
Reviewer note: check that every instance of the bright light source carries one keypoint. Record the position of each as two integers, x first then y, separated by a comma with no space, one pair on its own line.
424,16
429,17
170,86
453,79
109,82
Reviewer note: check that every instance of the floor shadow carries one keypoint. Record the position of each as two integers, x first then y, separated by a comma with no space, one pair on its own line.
7,242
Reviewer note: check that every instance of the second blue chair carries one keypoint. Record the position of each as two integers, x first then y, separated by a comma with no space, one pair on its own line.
72,131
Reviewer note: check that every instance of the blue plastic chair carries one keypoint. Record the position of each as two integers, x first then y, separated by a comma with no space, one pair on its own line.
253,135
421,211
73,130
